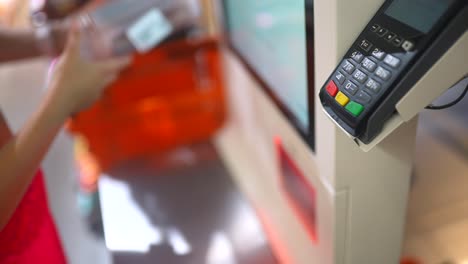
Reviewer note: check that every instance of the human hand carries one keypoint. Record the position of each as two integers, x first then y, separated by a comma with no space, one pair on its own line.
57,9
55,15
76,82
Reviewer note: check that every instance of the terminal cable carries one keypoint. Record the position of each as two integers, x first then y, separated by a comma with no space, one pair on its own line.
445,106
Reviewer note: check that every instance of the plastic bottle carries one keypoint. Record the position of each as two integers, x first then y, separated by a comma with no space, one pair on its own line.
111,22
106,23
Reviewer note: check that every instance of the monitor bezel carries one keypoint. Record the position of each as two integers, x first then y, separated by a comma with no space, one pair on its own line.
307,134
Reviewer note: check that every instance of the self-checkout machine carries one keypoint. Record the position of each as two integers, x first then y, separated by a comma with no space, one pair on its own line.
342,199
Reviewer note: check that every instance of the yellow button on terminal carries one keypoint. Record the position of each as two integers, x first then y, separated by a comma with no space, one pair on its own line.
342,99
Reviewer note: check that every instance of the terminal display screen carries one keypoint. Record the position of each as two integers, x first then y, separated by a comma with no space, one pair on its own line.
421,15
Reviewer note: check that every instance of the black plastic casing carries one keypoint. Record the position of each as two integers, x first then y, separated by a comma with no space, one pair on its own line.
428,49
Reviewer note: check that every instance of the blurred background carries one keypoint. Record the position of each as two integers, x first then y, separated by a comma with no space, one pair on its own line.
138,177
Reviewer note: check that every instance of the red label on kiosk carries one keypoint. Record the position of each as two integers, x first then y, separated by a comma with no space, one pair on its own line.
300,193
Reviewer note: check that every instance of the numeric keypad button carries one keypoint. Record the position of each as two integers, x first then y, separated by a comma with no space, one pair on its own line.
363,98
392,61
365,45
369,65
350,88
348,67
378,53
373,86
357,56
383,73
360,76
340,78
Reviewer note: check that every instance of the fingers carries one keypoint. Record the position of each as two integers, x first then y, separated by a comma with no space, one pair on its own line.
115,65
74,37
60,9
106,82
59,35
110,79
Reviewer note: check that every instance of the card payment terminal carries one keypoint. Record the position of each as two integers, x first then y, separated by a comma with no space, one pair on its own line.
398,46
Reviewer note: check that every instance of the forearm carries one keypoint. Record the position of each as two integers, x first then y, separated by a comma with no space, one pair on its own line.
22,155
18,44
75,84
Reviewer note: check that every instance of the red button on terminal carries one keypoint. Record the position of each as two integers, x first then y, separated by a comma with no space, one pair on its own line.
332,89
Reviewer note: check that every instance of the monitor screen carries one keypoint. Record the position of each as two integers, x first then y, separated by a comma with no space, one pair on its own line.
273,39
421,15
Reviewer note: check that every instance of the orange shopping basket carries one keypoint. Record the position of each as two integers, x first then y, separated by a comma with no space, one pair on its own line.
169,97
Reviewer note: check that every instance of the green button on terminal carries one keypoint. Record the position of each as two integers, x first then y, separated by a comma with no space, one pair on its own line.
354,108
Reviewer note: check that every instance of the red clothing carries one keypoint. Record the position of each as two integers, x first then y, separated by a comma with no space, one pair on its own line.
30,236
